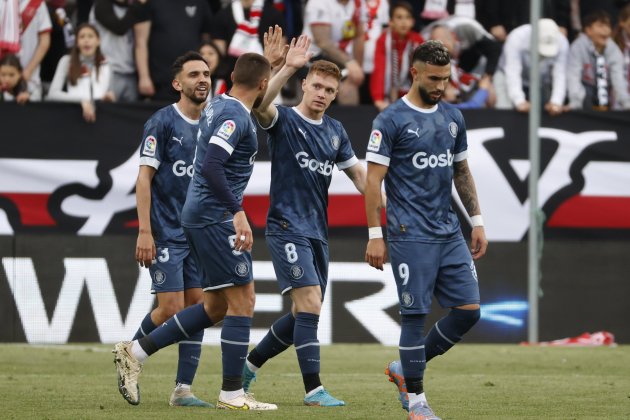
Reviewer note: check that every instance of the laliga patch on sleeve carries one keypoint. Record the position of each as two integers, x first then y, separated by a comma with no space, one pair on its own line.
150,144
375,141
226,130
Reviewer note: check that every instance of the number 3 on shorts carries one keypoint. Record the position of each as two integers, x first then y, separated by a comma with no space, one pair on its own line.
403,273
291,252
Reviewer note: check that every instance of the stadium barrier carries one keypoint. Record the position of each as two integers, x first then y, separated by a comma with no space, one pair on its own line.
68,223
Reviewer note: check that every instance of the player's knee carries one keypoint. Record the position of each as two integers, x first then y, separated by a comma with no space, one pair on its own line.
170,309
467,317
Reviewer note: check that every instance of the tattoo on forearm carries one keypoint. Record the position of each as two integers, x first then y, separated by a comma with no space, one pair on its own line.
465,186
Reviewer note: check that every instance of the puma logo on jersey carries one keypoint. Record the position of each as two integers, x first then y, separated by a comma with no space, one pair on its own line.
302,132
178,140
417,132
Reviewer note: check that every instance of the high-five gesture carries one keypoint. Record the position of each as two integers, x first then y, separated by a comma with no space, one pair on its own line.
274,46
298,54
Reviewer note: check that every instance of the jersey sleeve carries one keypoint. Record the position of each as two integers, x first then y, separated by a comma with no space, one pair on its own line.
381,141
153,143
346,157
227,131
458,129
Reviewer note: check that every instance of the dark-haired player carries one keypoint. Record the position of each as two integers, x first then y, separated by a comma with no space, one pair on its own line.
418,147
166,157
219,236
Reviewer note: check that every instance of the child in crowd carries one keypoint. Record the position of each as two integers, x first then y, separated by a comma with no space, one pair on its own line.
13,87
83,75
211,53
390,78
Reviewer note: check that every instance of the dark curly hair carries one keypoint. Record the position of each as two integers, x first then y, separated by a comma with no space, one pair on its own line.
432,52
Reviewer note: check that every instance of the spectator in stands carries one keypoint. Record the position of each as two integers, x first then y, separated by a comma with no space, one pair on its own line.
621,36
337,28
377,19
474,53
13,87
595,75
479,99
474,48
293,13
83,75
390,78
114,20
212,54
511,80
240,27
500,17
35,25
61,40
168,30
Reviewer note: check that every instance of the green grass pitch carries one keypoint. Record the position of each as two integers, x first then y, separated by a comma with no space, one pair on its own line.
470,382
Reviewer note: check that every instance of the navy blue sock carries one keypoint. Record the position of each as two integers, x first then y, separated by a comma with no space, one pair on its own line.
189,353
411,350
277,340
234,345
181,326
449,330
146,326
307,348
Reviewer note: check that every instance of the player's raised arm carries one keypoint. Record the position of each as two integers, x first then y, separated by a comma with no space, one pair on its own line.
465,186
296,57
375,254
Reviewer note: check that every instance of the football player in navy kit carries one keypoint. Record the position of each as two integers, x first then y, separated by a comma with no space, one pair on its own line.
305,145
418,147
219,237
166,156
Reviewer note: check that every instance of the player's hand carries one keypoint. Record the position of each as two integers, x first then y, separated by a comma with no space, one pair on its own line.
145,249
376,253
274,48
244,237
298,54
478,242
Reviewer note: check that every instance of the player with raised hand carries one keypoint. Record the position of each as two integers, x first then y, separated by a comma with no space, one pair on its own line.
304,144
418,146
219,236
166,157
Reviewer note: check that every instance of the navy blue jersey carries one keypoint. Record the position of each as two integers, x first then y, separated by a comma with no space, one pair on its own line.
303,152
227,123
169,147
419,147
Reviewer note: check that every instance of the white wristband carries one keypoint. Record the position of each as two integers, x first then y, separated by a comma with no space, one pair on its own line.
375,232
477,220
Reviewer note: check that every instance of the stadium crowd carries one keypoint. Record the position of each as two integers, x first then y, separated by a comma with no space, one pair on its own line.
121,50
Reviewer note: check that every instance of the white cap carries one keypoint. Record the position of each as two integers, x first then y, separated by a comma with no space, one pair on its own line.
548,38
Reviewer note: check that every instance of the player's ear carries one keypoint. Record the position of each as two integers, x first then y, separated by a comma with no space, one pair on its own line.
176,85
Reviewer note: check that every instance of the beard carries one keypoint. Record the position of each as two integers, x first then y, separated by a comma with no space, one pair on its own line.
426,97
195,97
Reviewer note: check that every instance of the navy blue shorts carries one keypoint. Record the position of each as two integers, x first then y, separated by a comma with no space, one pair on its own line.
423,269
299,261
221,265
174,270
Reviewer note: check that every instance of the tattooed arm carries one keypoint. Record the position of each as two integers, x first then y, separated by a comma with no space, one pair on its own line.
465,186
